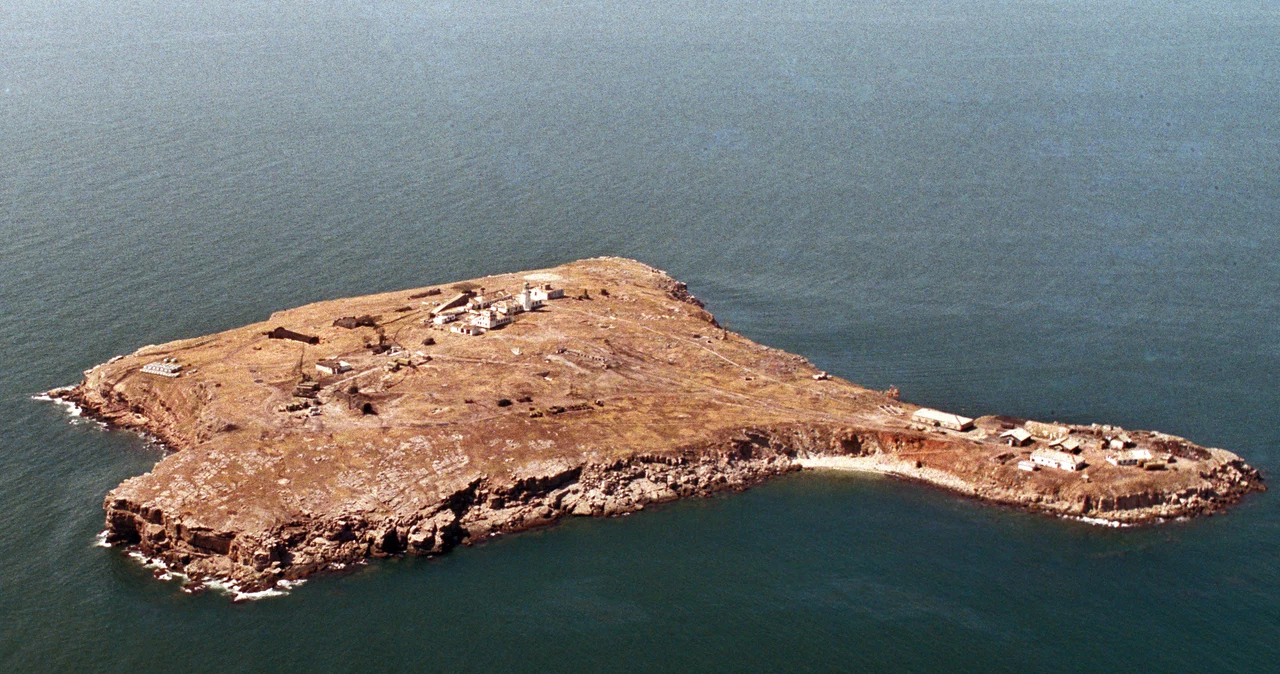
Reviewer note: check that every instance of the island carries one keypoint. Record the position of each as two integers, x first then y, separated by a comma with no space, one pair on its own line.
412,422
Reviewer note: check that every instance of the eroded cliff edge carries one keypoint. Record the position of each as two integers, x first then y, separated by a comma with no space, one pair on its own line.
370,427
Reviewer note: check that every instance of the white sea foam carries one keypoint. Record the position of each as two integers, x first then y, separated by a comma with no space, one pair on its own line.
156,564
100,541
237,595
232,589
73,409
1099,522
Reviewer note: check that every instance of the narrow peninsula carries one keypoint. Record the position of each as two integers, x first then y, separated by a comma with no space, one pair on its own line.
412,422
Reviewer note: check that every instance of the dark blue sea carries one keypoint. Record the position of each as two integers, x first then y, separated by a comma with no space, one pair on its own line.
1063,209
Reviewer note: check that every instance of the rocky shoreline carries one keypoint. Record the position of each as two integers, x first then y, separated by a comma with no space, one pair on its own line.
630,394
301,548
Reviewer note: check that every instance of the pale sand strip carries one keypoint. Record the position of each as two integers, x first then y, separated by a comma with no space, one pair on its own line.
885,464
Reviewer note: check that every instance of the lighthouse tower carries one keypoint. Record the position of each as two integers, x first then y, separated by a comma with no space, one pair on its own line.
526,298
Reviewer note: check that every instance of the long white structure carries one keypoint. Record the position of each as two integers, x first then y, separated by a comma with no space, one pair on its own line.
934,417
1056,459
1131,457
163,369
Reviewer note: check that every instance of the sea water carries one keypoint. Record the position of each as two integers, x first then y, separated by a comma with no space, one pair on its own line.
1061,210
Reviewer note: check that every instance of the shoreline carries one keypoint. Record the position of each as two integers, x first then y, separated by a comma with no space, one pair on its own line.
370,428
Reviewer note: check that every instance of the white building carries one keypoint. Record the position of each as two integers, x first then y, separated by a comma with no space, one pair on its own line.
470,330
545,293
332,367
163,369
526,301
489,320
932,417
509,308
1056,459
446,318
1131,457
1028,466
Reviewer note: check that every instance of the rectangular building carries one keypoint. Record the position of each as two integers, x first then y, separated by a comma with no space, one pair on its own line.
932,417
1131,457
163,369
1056,459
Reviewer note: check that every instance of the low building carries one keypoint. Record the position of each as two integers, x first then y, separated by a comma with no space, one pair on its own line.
509,308
1047,431
1057,459
932,417
1016,437
1132,457
546,293
489,320
331,366
446,318
163,368
483,301
469,330
1068,444
1028,466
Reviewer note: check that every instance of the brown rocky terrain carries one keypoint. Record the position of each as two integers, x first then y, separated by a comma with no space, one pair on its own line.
625,392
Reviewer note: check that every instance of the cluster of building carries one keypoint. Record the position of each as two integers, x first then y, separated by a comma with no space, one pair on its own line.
1061,449
475,314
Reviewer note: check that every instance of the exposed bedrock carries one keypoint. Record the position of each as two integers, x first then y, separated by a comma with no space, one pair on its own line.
483,508
440,416
486,507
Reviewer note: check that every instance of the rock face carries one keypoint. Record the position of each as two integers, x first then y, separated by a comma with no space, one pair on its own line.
622,393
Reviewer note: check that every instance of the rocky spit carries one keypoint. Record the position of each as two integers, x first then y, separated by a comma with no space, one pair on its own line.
624,393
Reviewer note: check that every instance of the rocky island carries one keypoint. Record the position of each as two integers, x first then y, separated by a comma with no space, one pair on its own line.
411,422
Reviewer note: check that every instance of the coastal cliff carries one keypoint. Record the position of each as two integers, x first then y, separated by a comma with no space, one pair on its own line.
415,421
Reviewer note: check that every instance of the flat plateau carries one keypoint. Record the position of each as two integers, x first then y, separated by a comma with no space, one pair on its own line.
623,393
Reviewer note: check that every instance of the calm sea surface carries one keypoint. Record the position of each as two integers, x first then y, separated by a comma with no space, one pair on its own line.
1065,210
